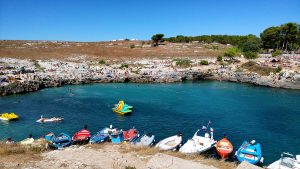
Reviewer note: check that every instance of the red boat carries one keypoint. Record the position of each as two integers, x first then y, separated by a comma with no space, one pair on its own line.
130,135
224,147
81,136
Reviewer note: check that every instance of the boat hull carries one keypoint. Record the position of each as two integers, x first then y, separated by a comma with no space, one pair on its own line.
224,148
170,143
250,153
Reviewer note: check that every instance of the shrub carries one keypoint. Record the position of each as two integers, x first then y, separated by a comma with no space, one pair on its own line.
231,52
276,53
183,62
250,55
123,65
129,167
132,46
203,62
278,69
102,62
219,58
215,47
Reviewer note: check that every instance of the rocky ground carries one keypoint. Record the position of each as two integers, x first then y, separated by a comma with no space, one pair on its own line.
113,157
21,76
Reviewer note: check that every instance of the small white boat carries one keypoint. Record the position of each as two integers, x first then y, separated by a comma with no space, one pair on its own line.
287,161
199,144
170,143
145,140
47,120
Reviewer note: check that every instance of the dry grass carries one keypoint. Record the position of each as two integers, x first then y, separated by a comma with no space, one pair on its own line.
119,50
13,149
262,70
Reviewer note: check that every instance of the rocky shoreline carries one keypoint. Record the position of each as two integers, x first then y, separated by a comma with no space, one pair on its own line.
22,76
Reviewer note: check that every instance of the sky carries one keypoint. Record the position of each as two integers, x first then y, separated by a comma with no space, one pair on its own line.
101,20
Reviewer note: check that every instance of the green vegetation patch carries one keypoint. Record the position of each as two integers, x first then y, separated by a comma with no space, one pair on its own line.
203,62
102,62
123,65
250,55
183,62
276,53
232,52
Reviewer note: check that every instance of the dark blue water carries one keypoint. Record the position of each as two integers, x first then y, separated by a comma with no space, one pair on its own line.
243,112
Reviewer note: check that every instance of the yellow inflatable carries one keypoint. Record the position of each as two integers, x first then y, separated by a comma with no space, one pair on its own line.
9,116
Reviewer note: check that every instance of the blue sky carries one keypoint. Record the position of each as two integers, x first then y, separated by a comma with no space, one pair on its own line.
97,20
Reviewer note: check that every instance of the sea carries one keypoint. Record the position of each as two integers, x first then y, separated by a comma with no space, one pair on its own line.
242,112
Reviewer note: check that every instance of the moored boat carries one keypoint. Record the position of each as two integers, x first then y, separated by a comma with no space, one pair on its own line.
224,147
130,135
199,144
49,137
250,152
170,143
145,140
82,136
61,141
117,137
9,116
287,161
101,136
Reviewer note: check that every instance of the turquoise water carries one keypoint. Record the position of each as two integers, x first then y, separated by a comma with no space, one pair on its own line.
243,112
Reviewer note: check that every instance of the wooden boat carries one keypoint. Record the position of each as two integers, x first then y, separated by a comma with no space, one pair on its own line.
224,147
287,161
170,143
9,116
61,141
130,135
250,152
145,140
82,136
199,144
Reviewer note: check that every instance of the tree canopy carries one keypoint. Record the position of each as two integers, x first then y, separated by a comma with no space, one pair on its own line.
157,38
283,37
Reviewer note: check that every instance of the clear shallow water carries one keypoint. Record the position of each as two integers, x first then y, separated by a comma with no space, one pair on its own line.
243,112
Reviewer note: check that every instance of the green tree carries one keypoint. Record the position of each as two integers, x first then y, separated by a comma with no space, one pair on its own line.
270,38
283,37
157,38
251,44
289,34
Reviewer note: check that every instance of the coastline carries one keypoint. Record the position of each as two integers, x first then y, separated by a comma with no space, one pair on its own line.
23,76
111,156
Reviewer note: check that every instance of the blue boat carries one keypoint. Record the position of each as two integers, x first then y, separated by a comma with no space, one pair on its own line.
250,152
117,137
144,140
101,136
49,137
61,141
